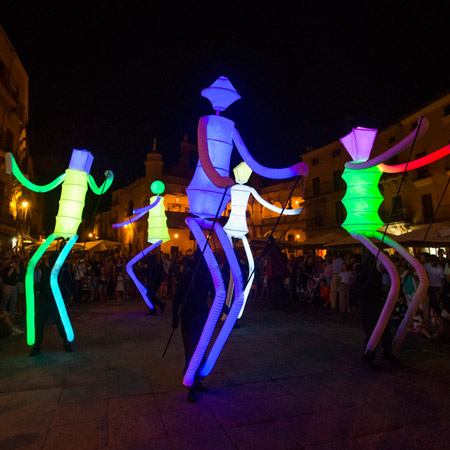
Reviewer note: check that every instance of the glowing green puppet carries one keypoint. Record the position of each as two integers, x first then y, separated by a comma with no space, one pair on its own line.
75,183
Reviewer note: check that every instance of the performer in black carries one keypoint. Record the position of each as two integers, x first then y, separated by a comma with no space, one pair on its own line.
190,306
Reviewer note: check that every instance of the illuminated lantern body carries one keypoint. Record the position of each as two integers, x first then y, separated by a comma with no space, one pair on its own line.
208,197
362,201
157,232
71,203
75,182
157,222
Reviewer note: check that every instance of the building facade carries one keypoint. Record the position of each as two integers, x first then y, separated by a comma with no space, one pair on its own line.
19,212
420,191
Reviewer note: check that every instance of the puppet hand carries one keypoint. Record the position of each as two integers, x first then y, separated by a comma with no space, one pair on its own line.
9,162
302,169
108,174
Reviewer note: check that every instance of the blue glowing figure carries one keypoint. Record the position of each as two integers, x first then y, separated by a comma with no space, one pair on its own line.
208,196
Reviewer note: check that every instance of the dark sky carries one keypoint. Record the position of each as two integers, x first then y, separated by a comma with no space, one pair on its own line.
110,78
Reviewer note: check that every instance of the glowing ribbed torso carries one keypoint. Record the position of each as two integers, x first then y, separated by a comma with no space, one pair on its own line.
362,199
71,203
157,222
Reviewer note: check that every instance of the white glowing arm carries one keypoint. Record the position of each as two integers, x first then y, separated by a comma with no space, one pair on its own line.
266,204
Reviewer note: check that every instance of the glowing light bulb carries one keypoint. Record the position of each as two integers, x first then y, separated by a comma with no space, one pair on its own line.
176,236
24,204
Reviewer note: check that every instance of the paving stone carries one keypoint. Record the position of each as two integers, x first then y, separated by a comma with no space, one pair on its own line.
185,421
237,414
177,400
206,440
76,436
67,413
136,405
134,429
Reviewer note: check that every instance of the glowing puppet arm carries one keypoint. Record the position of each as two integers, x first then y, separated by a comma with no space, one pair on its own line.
288,212
205,160
127,222
396,149
99,190
277,174
428,159
147,208
12,167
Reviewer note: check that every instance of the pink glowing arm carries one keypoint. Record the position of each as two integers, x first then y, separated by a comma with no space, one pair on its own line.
395,150
428,159
266,204
277,174
205,160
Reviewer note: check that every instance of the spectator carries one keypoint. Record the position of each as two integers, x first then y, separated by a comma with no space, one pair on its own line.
10,277
337,262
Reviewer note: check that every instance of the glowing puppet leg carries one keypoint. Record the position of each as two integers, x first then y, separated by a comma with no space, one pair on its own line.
57,291
236,307
393,291
29,288
418,295
251,270
251,267
193,224
141,288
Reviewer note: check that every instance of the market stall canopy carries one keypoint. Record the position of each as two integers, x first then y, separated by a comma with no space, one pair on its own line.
437,236
349,241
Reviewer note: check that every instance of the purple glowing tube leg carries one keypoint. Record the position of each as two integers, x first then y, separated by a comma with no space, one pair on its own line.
235,307
393,291
420,293
141,288
193,224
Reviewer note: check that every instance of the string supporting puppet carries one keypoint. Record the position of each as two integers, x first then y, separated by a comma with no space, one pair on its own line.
156,235
75,182
208,196
362,200
236,226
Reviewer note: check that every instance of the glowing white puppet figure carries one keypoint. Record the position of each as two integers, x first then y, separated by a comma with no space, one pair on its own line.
236,226
362,201
156,235
75,183
208,196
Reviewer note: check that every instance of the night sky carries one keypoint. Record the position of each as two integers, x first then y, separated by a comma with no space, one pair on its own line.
110,78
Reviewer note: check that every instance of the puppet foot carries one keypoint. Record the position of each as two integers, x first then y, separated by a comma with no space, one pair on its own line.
191,397
200,387
152,312
35,350
68,347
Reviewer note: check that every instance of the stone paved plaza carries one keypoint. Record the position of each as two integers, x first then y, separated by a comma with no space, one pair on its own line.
283,381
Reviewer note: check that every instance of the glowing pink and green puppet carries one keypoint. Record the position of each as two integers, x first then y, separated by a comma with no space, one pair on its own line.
208,197
156,235
362,200
75,183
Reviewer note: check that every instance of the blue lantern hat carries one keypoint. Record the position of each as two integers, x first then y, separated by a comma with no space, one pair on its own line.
221,94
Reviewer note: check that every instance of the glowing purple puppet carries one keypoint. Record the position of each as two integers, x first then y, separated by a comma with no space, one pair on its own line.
362,201
208,196
236,226
156,235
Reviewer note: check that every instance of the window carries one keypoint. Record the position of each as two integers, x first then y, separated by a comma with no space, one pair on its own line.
315,161
391,139
335,153
427,207
316,186
130,208
447,110
422,172
397,212
413,126
9,141
338,182
394,161
340,213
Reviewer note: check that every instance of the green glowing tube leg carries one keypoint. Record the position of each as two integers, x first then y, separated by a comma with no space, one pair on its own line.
57,291
29,289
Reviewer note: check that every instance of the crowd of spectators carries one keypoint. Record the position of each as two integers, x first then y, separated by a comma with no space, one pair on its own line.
286,281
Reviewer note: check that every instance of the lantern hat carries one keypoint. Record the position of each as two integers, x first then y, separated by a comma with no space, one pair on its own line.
221,94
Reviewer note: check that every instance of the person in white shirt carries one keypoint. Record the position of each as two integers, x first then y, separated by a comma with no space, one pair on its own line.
345,277
436,277
335,280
